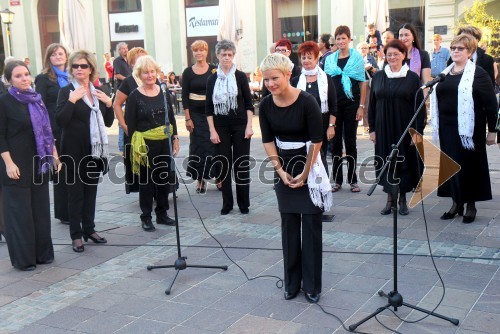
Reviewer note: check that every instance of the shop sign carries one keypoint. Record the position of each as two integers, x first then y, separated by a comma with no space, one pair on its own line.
15,3
202,21
126,26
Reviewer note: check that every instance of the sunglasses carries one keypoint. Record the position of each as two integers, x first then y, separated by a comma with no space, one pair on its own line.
458,48
82,66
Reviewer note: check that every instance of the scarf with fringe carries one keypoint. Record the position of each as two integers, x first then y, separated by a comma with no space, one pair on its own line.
322,85
225,92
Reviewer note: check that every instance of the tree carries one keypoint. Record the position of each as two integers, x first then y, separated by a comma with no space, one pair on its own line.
477,16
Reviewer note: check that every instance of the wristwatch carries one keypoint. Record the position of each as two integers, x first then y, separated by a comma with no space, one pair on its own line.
331,125
362,106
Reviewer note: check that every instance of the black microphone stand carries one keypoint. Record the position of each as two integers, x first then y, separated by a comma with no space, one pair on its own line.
180,263
394,298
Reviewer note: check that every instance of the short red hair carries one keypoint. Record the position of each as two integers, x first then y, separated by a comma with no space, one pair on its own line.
284,42
309,47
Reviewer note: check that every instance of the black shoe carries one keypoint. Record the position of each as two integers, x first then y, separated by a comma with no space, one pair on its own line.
290,295
65,222
469,216
244,211
98,240
453,212
78,249
225,211
45,262
147,225
388,206
403,208
312,297
28,268
164,219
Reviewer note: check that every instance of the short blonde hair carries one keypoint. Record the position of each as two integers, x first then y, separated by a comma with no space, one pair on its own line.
145,63
133,53
199,44
361,44
89,58
438,36
467,40
276,61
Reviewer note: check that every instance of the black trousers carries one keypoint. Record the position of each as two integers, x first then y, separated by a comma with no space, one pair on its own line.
346,129
60,190
27,224
2,228
302,259
234,151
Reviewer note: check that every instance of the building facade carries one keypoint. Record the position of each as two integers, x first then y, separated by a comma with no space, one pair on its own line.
167,28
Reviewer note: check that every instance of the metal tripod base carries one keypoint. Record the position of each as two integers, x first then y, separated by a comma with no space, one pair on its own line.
180,264
395,300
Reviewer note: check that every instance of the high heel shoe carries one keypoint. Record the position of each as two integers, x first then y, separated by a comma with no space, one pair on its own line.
403,207
98,240
469,216
78,248
388,206
455,209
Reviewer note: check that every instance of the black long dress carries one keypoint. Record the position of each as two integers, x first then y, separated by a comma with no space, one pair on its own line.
391,109
201,149
472,182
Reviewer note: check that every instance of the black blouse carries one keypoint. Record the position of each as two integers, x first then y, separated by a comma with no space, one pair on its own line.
49,90
197,84
343,102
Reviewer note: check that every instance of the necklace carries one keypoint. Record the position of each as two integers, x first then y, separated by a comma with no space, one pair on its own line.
309,85
146,91
456,73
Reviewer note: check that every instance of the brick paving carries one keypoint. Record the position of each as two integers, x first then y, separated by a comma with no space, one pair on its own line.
107,289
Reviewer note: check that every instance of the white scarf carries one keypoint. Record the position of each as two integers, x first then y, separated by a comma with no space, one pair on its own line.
400,74
225,92
98,136
465,106
322,85
320,189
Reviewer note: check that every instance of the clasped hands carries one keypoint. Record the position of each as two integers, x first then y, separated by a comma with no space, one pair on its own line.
293,182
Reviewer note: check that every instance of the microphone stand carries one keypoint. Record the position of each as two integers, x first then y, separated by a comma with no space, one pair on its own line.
394,298
180,263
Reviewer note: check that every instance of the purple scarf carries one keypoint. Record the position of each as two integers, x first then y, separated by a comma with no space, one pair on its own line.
415,61
41,125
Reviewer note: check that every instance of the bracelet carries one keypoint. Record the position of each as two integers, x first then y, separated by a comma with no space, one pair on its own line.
362,106
332,125
188,119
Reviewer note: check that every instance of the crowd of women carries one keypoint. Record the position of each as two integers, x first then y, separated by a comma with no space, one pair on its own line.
61,126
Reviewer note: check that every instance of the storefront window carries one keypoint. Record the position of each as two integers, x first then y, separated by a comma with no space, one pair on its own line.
408,11
48,23
118,6
199,3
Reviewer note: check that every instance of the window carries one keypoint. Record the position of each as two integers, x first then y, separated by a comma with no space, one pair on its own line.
118,6
48,23
201,3
408,11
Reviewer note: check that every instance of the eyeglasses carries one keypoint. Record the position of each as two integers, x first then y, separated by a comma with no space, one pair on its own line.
82,66
390,55
282,50
458,48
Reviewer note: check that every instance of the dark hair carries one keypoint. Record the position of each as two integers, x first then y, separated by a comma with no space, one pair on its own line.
309,47
396,44
325,38
342,30
284,42
416,42
7,72
47,64
168,77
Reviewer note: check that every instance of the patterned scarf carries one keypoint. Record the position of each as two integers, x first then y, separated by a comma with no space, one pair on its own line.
415,61
225,92
355,69
62,77
465,106
400,74
322,85
40,123
98,136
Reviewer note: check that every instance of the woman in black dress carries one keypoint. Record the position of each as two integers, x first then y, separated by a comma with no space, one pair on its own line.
392,101
229,111
291,125
83,112
194,86
462,106
320,85
150,151
346,67
28,151
54,76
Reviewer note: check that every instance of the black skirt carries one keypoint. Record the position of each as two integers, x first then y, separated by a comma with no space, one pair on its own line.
201,150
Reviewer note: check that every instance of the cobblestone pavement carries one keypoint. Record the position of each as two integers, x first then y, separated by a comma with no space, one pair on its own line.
107,289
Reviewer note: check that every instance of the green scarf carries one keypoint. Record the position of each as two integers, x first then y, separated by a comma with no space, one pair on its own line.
138,153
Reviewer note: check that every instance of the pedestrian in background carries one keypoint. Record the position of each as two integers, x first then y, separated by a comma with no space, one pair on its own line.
439,55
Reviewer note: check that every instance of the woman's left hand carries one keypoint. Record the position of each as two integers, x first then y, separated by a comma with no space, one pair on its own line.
359,113
248,132
57,165
330,133
298,181
491,138
101,96
175,147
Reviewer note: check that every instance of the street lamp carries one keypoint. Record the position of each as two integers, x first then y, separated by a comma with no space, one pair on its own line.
7,18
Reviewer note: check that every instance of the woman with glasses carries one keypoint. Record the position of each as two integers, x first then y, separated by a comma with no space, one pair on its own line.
346,67
463,105
391,109
83,113
229,111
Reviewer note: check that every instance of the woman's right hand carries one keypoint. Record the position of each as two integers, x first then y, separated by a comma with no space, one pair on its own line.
491,138
124,128
285,177
214,137
13,171
190,126
373,137
75,95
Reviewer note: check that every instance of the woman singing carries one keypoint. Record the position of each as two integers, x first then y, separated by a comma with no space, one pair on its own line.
28,151
346,66
194,86
229,112
150,151
391,109
462,106
292,133
83,112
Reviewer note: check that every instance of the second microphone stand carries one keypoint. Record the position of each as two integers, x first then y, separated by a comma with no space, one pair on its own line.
394,298
180,263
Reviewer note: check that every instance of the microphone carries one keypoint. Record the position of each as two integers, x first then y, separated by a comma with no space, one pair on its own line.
439,78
